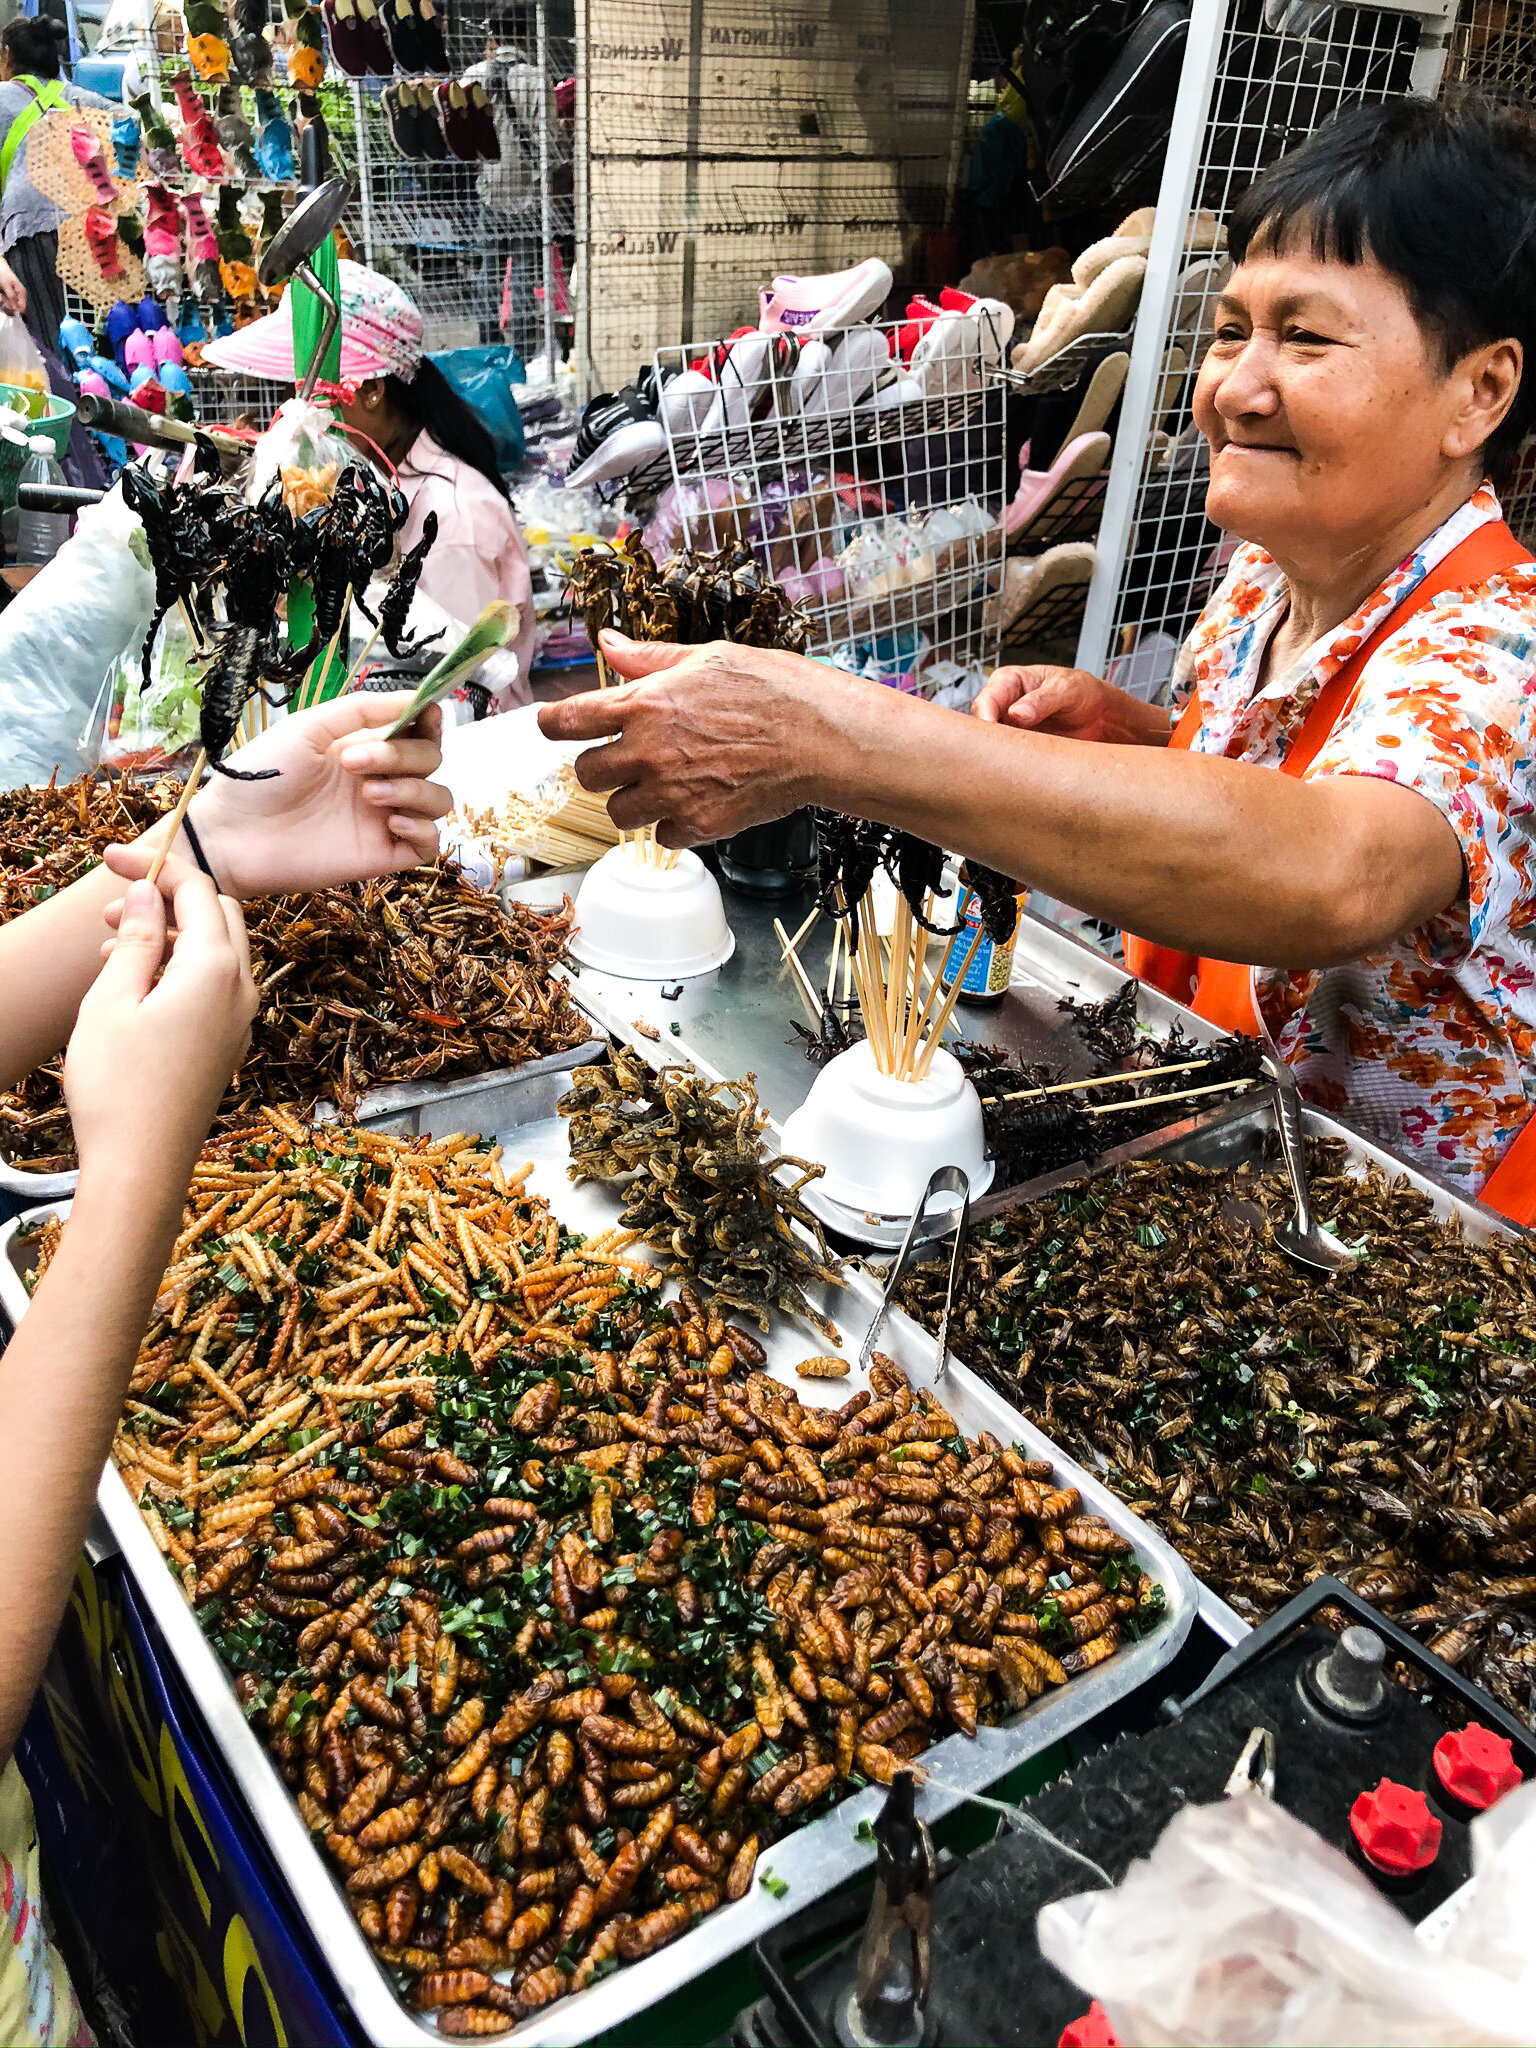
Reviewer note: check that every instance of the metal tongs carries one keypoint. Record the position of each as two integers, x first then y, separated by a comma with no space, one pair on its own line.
945,1180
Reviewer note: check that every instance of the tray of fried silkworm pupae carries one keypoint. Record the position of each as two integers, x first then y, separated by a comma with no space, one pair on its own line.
1273,1420
647,1615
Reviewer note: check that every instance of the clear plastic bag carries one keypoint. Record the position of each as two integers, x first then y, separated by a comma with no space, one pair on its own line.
144,728
305,447
83,612
1245,1926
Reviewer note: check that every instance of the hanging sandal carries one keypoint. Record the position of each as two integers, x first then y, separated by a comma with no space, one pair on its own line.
85,145
434,50
274,138
101,238
199,139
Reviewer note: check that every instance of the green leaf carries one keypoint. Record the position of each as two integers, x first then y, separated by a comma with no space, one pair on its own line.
864,1832
776,1887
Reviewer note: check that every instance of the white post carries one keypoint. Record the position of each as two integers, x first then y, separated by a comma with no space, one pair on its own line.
364,171
546,210
1165,261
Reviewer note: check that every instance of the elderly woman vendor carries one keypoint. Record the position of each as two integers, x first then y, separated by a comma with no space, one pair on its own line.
1343,802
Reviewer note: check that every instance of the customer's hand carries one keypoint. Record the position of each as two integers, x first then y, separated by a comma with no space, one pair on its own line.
1065,701
13,293
341,808
160,1031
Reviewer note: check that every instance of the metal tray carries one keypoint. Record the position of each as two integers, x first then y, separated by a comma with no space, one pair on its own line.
1233,1135
379,1109
812,1860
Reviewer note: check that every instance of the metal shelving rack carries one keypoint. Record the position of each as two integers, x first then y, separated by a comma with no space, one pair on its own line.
1493,51
1245,94
874,488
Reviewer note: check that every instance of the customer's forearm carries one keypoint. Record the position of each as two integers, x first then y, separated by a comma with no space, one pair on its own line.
63,1377
1207,855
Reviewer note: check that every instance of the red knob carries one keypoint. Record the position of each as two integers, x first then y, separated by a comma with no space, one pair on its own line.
1395,1829
1476,1766
1090,2030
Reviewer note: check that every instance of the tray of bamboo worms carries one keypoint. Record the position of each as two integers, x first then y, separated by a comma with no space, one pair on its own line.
375,997
1276,1423
555,1580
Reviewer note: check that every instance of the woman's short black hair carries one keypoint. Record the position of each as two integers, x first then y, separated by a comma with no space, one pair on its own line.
35,44
1443,197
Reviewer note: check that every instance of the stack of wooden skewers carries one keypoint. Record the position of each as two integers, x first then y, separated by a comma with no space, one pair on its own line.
560,825
904,1004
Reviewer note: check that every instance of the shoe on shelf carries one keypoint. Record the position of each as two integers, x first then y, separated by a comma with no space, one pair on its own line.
811,305
456,118
399,109
946,363
1078,461
619,433
1028,579
994,318
403,27
1105,305
686,401
485,124
854,363
274,137
342,32
76,345
431,140
434,49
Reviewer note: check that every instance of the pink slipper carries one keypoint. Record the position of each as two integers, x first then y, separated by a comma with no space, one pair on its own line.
202,243
86,145
1077,462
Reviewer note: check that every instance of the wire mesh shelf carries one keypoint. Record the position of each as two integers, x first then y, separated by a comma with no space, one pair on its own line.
1062,370
1048,623
883,521
1271,90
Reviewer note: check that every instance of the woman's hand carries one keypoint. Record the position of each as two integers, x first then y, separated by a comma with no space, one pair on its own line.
13,293
712,739
1071,704
160,1031
341,808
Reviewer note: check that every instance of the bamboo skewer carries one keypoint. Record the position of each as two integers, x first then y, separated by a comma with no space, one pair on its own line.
188,791
1177,1095
793,945
1101,1081
837,942
941,1022
802,980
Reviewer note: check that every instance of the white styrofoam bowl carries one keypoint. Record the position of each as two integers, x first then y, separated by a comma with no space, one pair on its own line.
881,1139
650,923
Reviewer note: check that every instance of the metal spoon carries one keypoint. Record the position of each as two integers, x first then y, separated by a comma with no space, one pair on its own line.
1303,1238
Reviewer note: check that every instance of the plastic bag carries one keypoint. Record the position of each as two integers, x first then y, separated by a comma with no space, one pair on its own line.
483,378
83,611
144,728
306,448
1243,1925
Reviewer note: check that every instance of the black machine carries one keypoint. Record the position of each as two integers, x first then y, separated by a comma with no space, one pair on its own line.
945,1951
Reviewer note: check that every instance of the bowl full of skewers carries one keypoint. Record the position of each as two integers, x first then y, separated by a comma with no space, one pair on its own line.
891,1108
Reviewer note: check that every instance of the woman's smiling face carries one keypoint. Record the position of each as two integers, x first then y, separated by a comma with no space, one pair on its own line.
1330,413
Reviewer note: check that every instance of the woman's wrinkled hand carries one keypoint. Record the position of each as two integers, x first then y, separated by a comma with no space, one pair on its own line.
1065,701
709,740
342,807
160,1031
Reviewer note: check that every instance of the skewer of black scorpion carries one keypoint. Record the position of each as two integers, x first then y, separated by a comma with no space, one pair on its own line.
207,543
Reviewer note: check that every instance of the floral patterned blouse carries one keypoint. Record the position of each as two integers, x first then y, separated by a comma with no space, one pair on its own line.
1428,1046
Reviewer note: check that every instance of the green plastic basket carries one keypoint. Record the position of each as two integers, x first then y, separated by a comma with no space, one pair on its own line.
54,427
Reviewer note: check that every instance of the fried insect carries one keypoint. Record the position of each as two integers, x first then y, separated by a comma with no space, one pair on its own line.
501,1788
1375,1424
699,1183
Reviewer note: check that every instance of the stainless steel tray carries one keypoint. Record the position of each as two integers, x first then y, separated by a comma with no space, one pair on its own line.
1235,1135
812,1860
378,1109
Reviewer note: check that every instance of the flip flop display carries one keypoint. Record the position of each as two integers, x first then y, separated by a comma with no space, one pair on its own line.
1029,515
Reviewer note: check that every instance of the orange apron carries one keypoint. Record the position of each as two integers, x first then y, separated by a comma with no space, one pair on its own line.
1221,991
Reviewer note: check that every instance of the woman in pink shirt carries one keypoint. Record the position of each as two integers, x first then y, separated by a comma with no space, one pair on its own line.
444,460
